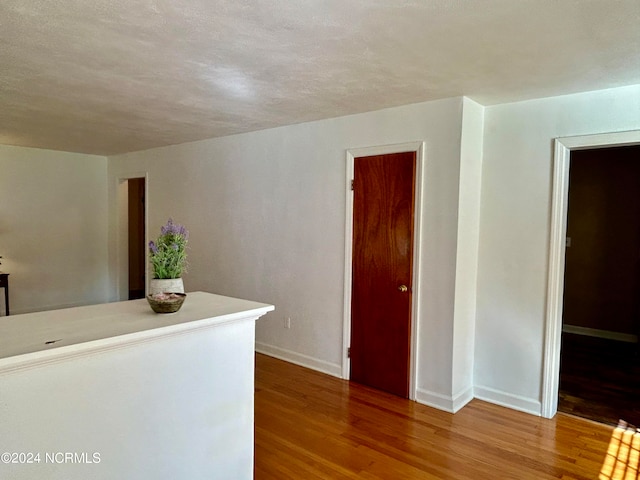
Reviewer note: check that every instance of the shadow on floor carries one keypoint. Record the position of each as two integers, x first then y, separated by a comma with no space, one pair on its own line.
600,379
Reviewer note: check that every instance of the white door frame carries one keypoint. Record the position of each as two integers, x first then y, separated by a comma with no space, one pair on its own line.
555,284
419,149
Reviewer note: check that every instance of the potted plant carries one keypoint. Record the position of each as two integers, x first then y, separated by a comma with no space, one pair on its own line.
168,256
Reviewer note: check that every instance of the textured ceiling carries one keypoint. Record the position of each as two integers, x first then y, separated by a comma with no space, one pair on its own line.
112,76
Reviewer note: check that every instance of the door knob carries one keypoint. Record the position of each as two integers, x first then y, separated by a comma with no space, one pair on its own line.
403,288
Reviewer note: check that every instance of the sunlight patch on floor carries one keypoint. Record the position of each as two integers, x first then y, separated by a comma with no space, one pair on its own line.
623,454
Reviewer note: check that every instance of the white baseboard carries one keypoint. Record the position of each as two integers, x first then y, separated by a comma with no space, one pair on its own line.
446,403
307,361
595,332
435,400
504,399
462,398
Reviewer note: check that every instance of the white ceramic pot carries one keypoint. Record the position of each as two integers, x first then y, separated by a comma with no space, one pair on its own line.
162,285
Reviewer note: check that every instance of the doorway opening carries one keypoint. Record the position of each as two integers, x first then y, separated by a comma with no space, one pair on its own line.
599,367
565,148
136,238
131,249
406,288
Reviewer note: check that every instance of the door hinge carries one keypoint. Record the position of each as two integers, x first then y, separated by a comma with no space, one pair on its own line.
349,352
352,182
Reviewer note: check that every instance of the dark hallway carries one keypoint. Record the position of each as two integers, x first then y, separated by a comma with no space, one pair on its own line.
599,366
600,379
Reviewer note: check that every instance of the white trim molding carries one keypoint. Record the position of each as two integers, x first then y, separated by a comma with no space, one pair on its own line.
419,148
555,283
435,400
296,358
509,400
447,403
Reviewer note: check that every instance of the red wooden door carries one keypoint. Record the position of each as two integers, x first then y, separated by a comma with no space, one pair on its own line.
384,187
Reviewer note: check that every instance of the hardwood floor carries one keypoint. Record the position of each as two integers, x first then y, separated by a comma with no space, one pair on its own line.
600,379
313,426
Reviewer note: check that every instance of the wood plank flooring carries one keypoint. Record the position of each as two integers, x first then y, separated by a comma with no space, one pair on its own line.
314,426
600,379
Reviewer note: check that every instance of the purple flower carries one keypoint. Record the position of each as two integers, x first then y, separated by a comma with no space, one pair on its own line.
174,229
168,228
152,247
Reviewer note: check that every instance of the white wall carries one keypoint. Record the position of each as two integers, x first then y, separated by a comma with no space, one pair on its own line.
514,232
53,228
467,255
266,213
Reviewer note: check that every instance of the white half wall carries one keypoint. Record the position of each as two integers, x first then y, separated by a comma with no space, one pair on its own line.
266,214
53,228
514,231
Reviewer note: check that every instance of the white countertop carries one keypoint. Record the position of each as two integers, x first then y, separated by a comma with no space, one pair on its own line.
75,331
